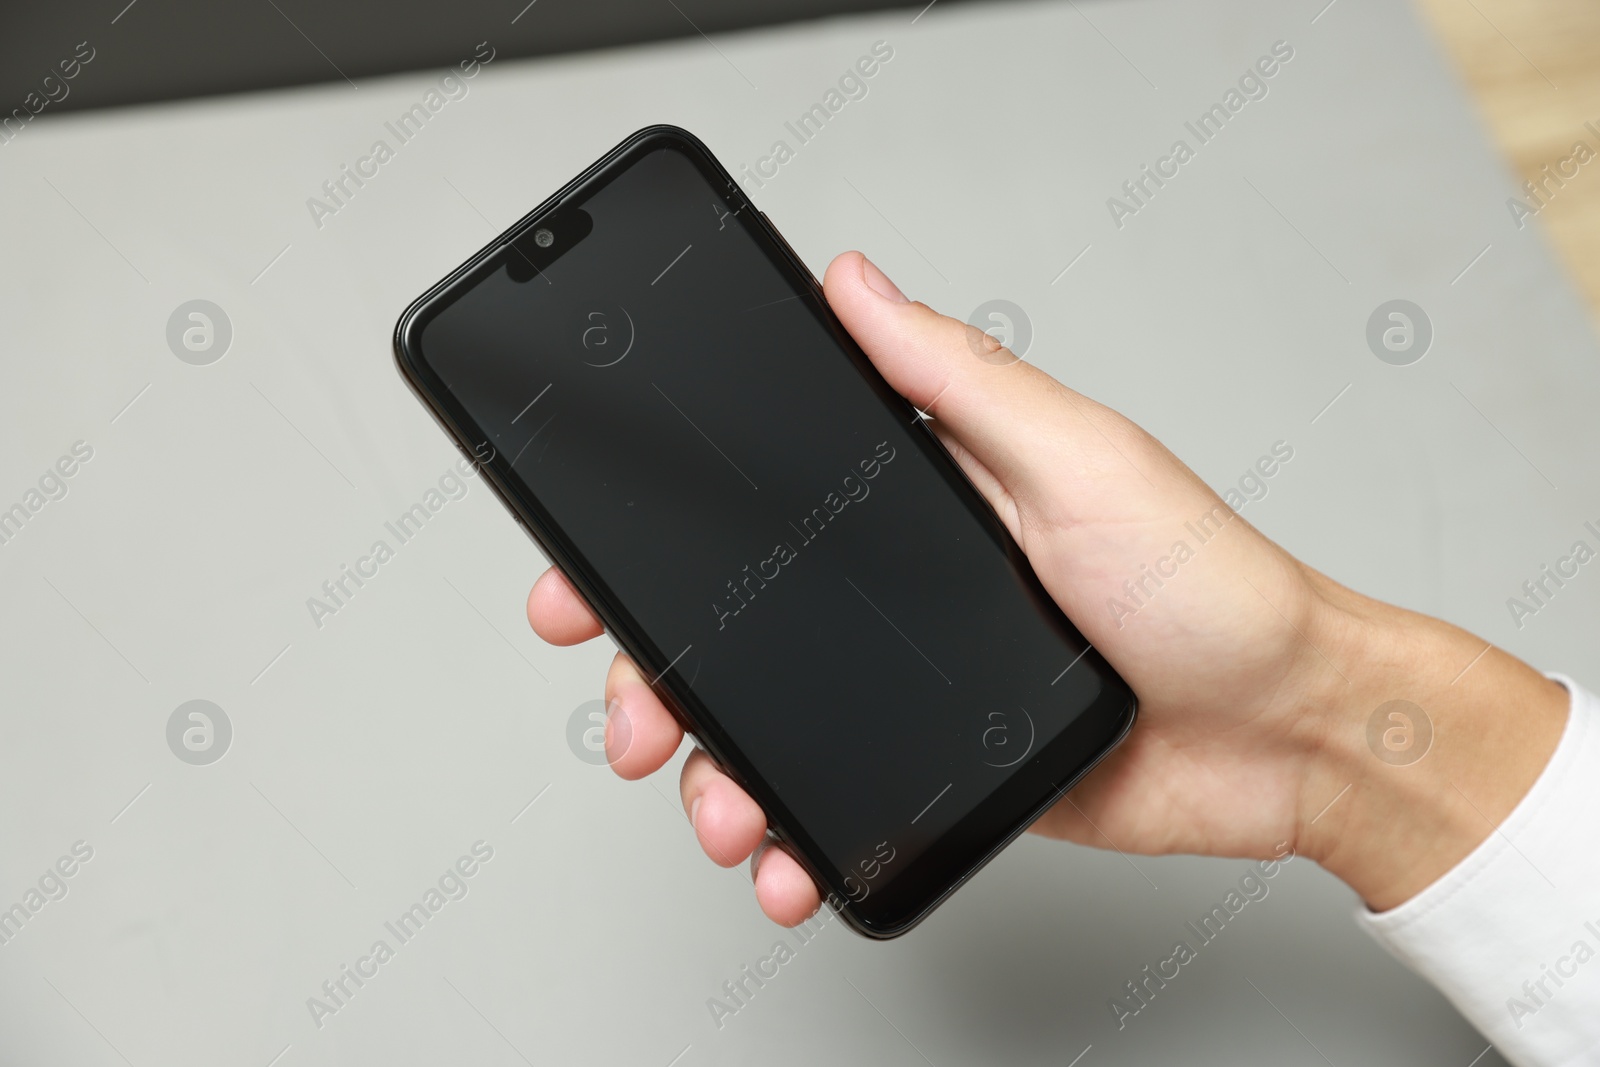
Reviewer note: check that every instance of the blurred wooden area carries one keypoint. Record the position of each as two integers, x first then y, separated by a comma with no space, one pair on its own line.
1534,68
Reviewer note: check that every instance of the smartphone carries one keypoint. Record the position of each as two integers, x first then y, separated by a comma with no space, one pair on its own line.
652,381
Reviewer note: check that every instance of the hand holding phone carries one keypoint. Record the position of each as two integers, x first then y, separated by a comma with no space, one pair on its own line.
873,644
1251,733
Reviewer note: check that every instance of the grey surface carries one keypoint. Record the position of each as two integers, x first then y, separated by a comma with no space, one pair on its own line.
170,49
425,716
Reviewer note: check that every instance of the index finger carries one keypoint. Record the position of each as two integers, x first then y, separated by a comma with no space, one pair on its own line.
558,613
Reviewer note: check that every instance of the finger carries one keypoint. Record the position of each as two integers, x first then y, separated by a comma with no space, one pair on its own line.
784,890
558,614
728,823
641,734
1027,428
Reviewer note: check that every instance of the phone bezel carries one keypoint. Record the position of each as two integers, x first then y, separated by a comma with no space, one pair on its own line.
917,890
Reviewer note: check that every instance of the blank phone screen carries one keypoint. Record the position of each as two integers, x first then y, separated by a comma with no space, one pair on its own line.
809,574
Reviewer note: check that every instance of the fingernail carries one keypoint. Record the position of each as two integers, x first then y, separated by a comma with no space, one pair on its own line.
694,812
755,857
619,731
879,282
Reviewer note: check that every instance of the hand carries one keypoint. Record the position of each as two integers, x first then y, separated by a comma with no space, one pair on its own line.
1255,674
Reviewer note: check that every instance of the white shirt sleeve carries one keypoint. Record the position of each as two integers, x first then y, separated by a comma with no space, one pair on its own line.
1512,933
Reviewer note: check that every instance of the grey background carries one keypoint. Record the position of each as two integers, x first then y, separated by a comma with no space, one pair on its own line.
371,753
171,49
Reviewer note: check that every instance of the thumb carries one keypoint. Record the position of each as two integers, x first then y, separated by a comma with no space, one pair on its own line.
1027,429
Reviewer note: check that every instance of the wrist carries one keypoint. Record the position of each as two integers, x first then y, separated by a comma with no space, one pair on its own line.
1423,747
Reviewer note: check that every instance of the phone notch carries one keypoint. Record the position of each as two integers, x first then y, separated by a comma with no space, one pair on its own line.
545,240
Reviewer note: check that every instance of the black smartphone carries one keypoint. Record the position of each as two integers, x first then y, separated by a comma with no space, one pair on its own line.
652,381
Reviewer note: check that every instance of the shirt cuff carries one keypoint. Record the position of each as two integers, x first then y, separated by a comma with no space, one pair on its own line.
1511,934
